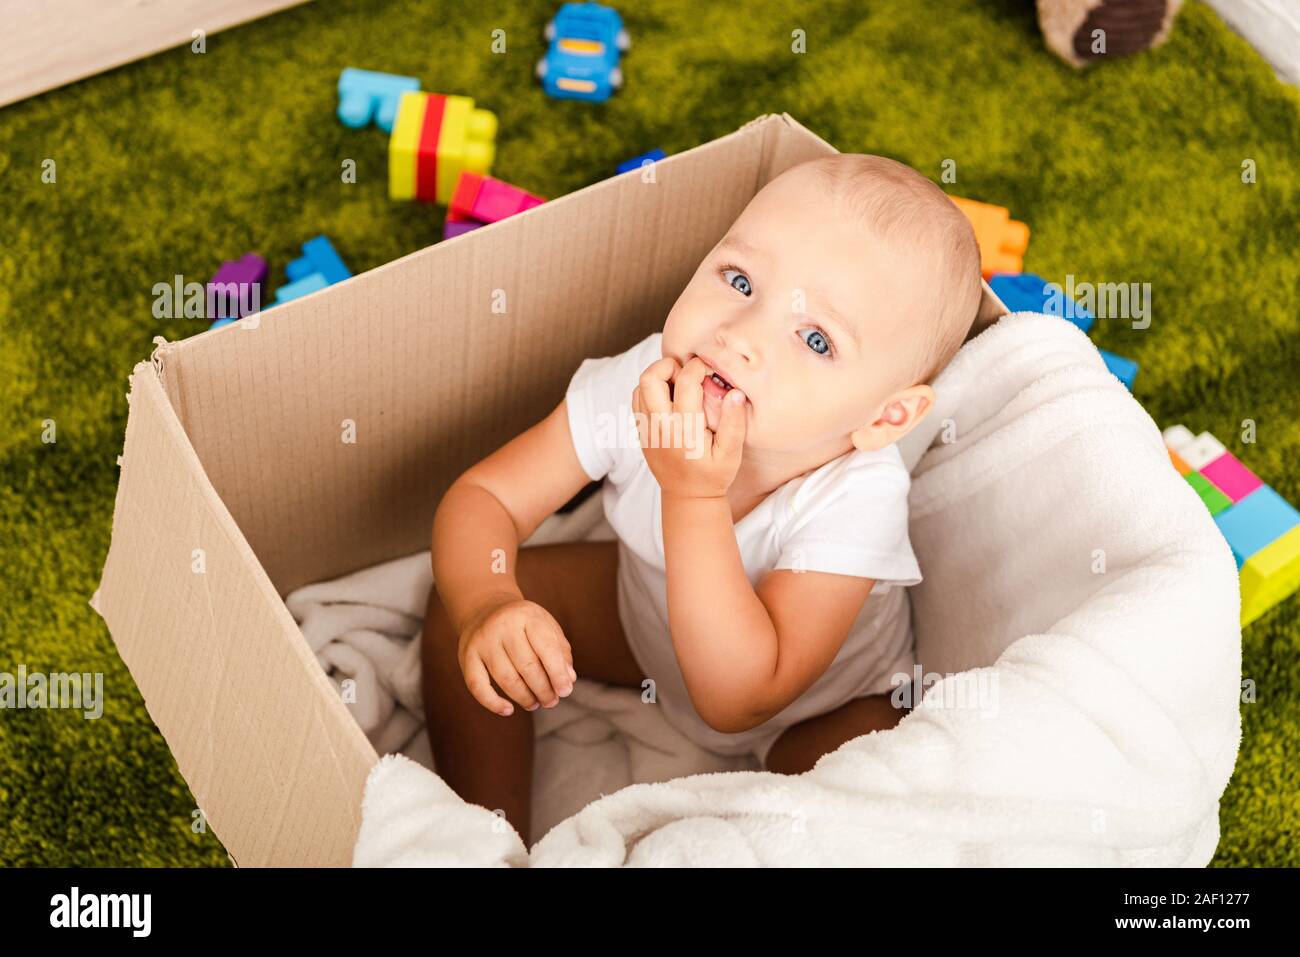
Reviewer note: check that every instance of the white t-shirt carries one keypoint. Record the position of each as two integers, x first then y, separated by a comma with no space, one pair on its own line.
848,517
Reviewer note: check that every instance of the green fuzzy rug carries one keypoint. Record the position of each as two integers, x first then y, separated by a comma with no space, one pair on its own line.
1130,172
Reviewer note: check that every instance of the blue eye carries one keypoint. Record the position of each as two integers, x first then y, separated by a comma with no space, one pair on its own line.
817,342
744,285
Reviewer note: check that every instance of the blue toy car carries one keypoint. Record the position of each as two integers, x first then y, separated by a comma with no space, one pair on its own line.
586,43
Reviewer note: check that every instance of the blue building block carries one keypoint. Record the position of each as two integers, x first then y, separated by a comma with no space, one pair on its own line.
299,268
1259,519
1125,370
318,266
221,322
1025,292
635,162
318,255
365,95
300,287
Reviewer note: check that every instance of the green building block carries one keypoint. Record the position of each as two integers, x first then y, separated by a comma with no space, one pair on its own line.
1214,500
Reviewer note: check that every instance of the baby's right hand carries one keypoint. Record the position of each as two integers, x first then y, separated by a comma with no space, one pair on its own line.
519,645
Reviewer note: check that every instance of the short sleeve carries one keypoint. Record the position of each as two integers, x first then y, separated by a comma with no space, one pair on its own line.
853,521
599,403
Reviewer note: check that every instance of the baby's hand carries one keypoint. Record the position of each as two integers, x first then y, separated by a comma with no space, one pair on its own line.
522,647
688,459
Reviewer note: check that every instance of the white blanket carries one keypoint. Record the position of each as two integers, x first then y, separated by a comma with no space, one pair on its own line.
1075,587
364,629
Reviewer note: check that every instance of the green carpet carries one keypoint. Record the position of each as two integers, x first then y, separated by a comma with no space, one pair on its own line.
1127,173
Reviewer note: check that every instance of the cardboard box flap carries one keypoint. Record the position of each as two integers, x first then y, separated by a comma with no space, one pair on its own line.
274,759
332,425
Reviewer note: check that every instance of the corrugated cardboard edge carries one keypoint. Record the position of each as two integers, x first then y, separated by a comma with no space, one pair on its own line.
233,686
52,44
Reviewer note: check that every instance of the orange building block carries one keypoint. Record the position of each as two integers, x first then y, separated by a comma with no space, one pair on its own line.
1002,240
1183,467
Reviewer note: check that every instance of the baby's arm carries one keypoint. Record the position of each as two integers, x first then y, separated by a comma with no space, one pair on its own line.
746,653
492,507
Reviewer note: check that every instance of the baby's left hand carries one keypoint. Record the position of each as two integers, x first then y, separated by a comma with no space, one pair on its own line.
688,459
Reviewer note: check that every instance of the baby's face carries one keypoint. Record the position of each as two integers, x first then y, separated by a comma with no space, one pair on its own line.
805,312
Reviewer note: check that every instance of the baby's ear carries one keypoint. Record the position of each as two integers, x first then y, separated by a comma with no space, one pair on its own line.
900,414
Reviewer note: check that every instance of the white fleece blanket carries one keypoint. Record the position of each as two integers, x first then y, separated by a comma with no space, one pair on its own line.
1077,629
363,628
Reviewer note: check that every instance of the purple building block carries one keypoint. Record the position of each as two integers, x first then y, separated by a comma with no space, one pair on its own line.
236,289
453,228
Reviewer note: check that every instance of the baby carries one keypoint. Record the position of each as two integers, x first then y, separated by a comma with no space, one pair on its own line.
760,505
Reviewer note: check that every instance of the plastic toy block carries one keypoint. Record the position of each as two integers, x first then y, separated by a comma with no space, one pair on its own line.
426,154
1201,451
1231,477
1214,500
1182,467
465,144
1270,575
636,162
318,255
1025,292
404,145
458,226
1125,370
248,268
237,283
435,138
300,287
1176,436
1262,528
318,266
1002,240
1254,523
489,200
365,95
299,268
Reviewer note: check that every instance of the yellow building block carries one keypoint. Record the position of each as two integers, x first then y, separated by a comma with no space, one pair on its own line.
1270,575
466,142
1002,240
404,145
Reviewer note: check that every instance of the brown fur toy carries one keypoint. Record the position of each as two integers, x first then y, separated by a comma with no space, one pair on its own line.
1127,26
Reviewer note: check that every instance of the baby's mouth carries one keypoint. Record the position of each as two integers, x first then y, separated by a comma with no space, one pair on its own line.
716,386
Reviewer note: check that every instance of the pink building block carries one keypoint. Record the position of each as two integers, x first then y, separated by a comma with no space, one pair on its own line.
1229,476
489,200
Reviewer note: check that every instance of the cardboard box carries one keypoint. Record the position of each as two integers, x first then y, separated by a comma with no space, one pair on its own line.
238,484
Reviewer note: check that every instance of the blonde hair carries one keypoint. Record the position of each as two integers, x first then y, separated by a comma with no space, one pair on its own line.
897,202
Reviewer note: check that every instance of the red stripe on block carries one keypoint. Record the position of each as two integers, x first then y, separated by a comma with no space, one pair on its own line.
426,163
